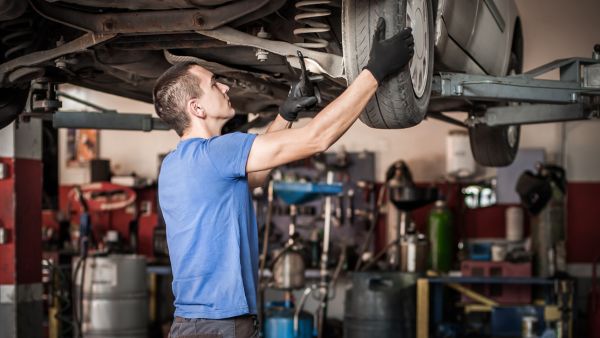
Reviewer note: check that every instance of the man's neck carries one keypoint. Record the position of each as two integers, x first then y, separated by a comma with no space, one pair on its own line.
198,134
202,130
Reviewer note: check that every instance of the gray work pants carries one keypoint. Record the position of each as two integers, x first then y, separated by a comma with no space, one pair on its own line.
237,327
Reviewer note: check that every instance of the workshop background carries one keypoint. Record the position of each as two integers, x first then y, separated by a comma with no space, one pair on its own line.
553,29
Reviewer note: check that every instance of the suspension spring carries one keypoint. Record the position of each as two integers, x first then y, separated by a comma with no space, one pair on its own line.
309,10
18,36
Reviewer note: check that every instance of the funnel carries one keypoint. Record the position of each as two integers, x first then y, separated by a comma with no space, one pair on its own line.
404,194
298,193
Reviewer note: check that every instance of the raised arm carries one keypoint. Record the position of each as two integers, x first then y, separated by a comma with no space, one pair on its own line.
288,113
258,178
285,146
387,58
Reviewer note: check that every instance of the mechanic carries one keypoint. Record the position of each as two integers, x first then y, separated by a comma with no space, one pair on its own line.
204,184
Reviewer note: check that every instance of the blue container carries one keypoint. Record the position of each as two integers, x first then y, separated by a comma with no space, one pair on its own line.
480,251
279,323
506,320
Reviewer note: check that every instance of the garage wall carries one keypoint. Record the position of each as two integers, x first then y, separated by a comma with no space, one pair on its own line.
561,29
128,151
552,29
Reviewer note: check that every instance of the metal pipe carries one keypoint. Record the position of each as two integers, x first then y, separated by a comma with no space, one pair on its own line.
120,121
299,308
338,268
380,254
447,119
327,230
292,227
374,222
337,272
263,256
85,102
324,256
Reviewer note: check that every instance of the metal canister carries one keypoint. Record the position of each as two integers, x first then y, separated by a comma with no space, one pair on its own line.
288,271
413,253
548,233
441,235
528,326
115,297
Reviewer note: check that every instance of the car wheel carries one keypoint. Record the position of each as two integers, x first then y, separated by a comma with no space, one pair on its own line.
401,101
496,146
12,102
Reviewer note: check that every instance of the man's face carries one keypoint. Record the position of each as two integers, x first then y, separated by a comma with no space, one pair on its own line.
214,99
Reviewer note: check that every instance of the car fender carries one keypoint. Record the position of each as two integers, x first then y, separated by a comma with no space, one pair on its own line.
469,34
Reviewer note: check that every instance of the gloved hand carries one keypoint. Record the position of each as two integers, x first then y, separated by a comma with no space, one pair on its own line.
295,103
389,56
302,95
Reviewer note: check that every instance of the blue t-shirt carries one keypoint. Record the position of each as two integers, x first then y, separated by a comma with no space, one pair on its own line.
211,226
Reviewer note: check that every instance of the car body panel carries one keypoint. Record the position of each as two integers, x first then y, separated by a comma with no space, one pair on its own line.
470,34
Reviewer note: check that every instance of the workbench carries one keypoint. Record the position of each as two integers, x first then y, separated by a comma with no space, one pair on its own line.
430,295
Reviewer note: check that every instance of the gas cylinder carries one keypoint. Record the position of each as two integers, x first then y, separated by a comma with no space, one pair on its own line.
441,235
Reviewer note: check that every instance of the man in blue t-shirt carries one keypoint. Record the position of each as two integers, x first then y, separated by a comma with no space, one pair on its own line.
204,184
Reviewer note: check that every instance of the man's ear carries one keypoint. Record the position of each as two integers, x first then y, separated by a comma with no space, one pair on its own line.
195,109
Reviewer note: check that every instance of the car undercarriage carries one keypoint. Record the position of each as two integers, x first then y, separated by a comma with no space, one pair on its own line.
122,47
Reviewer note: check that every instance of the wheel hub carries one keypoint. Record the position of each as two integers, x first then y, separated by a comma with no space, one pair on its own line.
416,18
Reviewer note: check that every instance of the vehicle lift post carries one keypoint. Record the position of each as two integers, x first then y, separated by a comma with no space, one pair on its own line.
21,312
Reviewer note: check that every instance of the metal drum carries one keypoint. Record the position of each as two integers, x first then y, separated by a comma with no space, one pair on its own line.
115,299
288,271
382,305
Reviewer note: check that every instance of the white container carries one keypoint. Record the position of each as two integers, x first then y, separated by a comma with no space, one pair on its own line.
514,223
498,252
459,159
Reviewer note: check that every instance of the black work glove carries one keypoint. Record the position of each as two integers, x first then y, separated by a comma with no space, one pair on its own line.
296,102
389,56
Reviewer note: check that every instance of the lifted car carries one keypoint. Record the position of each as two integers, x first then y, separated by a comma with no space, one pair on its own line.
122,46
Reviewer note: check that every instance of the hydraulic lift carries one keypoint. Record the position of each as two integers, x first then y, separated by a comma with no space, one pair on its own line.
575,96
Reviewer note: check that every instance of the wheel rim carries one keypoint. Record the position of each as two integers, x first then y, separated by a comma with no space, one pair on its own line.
512,134
417,19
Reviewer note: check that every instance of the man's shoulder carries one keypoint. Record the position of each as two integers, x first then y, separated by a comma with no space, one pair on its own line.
236,135
184,151
229,141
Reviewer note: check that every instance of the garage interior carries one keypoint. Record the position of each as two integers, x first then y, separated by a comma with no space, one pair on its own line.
390,233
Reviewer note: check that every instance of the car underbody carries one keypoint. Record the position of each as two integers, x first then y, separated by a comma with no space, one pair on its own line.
122,47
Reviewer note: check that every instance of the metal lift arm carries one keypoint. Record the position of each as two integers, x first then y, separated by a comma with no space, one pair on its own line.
101,118
576,96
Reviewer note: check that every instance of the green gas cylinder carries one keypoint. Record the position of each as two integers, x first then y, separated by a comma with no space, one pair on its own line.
441,236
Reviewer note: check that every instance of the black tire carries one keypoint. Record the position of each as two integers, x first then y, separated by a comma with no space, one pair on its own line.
498,146
494,146
12,102
395,104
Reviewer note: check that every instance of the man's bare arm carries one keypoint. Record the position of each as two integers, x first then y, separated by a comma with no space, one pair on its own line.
258,178
285,146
